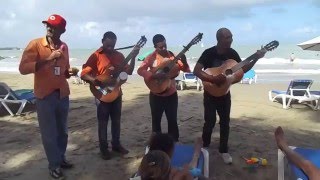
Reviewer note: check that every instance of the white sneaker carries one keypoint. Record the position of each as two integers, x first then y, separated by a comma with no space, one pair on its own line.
226,158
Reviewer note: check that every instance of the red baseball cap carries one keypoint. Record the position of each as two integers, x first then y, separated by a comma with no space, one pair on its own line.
56,20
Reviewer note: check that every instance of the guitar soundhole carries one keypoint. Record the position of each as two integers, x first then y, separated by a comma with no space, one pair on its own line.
228,72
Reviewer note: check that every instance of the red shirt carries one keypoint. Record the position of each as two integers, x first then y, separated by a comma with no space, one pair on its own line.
45,81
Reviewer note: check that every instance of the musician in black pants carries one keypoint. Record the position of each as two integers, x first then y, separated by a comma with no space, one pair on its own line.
215,57
166,101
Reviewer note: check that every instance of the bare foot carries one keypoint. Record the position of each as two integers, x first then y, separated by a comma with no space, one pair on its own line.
279,135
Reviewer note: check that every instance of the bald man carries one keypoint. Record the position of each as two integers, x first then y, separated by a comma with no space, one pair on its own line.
215,57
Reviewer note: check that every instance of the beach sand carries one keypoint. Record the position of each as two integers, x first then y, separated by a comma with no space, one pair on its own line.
253,121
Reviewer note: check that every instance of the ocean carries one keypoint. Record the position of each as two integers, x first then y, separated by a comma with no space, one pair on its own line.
275,66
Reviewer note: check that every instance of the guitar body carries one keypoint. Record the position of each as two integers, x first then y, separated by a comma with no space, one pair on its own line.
113,88
113,78
224,88
160,85
233,71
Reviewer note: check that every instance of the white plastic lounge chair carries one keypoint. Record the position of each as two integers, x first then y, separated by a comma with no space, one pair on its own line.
22,96
298,90
249,77
286,170
190,79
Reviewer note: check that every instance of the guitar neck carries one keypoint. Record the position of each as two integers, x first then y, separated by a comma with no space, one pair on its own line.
124,63
241,64
176,58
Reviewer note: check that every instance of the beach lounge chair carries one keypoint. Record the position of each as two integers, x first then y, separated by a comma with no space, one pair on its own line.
22,96
183,155
249,77
298,90
190,79
286,170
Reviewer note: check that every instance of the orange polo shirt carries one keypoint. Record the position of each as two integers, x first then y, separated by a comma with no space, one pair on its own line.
154,60
45,81
99,62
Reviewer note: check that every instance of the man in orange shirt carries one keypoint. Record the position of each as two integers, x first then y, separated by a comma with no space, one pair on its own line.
98,64
48,59
167,101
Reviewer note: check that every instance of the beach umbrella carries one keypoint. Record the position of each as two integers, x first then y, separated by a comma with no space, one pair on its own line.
311,45
144,55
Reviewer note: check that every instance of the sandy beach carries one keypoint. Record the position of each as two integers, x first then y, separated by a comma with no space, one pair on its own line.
253,121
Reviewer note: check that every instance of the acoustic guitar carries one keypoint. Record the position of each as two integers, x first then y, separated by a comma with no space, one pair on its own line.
170,68
233,71
112,79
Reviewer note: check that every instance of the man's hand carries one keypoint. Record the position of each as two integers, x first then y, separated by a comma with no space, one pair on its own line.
73,71
96,82
159,76
260,53
54,55
219,79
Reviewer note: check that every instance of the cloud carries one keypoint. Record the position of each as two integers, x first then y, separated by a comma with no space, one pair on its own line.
305,30
247,27
88,20
90,28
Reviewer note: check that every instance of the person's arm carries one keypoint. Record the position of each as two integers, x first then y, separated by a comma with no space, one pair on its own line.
87,68
145,65
129,68
310,169
196,154
206,77
183,64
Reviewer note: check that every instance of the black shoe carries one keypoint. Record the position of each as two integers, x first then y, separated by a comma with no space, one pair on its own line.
66,164
120,149
56,174
105,155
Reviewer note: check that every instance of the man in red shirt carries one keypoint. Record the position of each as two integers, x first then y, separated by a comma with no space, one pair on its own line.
48,59
167,101
98,63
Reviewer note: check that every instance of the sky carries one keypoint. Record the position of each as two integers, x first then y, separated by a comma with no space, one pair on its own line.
251,21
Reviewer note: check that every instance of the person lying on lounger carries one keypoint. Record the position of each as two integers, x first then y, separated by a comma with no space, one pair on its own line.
307,167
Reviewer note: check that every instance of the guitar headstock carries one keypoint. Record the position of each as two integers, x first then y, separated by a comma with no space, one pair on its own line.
196,39
271,46
142,41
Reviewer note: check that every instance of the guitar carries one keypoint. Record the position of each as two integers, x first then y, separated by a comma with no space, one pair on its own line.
112,79
170,68
233,71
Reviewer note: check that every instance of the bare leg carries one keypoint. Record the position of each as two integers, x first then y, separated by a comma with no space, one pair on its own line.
311,171
196,154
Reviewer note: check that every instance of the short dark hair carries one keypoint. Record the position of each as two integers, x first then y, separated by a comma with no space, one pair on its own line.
158,38
162,142
109,35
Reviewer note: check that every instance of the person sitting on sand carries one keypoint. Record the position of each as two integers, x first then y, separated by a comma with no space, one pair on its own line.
307,167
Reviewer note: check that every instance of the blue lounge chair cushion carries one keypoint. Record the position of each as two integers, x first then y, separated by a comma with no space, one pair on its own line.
183,155
249,75
312,155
